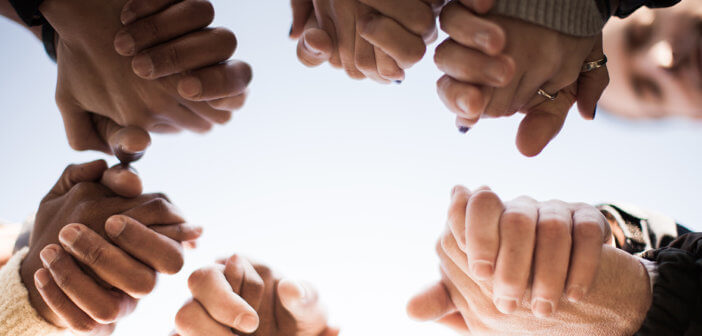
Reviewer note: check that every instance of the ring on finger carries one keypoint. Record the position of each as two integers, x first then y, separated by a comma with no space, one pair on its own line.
591,66
550,97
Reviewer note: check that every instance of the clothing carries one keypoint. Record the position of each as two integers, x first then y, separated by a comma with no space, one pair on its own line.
17,316
572,17
677,292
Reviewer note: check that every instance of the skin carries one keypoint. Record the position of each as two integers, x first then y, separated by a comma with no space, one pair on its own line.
369,38
655,57
238,297
492,73
94,253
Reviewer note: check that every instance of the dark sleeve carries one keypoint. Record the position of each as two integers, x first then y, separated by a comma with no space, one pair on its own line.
28,11
677,293
626,7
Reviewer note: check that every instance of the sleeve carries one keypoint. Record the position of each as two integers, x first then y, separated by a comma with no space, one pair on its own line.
571,17
677,292
17,316
626,7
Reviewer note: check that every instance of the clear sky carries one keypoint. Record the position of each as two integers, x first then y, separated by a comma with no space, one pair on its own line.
339,182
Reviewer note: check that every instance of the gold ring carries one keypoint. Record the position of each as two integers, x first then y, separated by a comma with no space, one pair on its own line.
547,95
590,66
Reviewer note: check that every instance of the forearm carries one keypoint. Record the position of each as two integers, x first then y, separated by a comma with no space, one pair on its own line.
7,11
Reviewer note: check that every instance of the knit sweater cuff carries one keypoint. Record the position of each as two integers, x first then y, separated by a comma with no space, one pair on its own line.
17,316
571,17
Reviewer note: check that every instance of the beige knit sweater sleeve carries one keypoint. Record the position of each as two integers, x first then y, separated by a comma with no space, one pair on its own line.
17,316
571,17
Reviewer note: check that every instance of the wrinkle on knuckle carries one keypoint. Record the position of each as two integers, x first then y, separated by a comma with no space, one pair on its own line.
96,255
588,230
517,221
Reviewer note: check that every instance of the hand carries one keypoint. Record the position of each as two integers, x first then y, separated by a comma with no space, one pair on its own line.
616,305
98,90
240,297
551,245
373,39
495,65
112,276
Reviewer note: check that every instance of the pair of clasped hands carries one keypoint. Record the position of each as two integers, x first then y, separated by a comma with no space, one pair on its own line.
494,66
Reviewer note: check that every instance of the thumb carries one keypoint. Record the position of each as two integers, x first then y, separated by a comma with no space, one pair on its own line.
301,11
314,47
430,304
479,6
123,181
302,303
543,122
592,84
127,143
74,174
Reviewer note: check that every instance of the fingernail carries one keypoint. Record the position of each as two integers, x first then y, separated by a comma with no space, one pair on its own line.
497,73
482,270
506,305
246,322
482,39
143,65
69,235
291,29
126,156
124,43
575,294
594,113
190,87
115,226
41,278
198,230
48,255
127,15
463,129
463,105
542,308
309,48
398,82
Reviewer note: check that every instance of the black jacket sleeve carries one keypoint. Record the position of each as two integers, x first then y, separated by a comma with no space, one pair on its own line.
626,7
677,293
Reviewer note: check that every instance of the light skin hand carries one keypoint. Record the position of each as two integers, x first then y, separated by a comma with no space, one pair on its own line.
238,296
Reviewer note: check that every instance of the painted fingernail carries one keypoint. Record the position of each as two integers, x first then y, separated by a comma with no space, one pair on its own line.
497,73
398,82
594,113
506,305
542,308
246,322
463,129
124,43
143,65
190,87
482,39
69,235
291,29
575,294
48,255
127,16
482,270
41,278
127,156
115,226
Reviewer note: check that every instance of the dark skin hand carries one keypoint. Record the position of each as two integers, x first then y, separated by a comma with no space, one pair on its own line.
79,197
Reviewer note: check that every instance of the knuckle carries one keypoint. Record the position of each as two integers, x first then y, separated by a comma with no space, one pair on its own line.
554,228
588,230
264,271
148,30
96,254
202,9
185,319
107,313
517,221
227,39
200,277
483,199
423,22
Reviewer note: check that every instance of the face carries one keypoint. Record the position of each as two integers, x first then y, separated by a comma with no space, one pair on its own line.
655,63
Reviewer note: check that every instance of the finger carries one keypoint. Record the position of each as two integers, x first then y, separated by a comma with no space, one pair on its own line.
431,304
589,234
136,9
514,259
128,143
387,67
301,301
244,280
344,14
101,305
542,123
480,6
80,131
75,174
301,11
502,100
469,65
468,101
220,81
184,233
193,320
161,253
123,181
482,233
229,103
455,322
179,19
185,53
211,289
109,263
592,84
385,33
61,305
415,16
365,53
457,214
472,31
152,209
551,257
315,47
